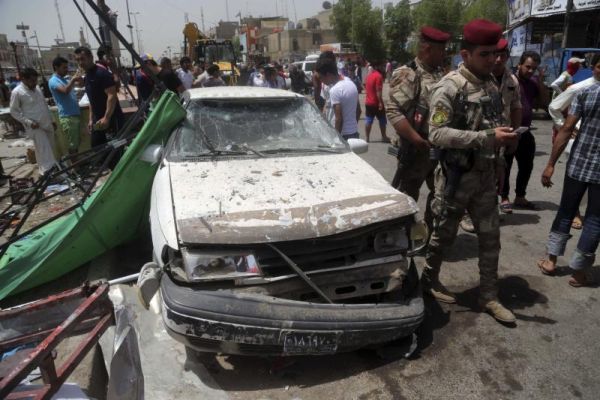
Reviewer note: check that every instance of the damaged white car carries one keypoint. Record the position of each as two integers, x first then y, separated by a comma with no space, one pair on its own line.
274,237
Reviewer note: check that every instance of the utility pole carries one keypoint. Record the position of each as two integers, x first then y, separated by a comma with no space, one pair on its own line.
14,48
24,28
137,31
227,9
129,24
566,24
295,14
60,24
202,19
41,61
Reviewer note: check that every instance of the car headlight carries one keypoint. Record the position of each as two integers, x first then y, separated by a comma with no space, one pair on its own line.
390,240
206,265
419,235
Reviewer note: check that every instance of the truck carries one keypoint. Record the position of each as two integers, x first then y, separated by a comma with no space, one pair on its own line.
200,48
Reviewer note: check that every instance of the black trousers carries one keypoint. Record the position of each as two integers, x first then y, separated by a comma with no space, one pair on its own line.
524,154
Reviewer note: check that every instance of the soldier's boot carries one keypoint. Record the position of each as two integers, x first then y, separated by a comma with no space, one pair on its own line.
466,223
432,286
498,311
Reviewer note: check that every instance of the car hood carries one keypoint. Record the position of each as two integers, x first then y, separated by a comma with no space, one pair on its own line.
261,200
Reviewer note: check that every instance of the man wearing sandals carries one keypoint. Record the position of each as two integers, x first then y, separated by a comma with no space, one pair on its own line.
532,89
461,127
583,174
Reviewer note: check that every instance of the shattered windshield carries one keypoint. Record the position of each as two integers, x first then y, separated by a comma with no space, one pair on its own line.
254,126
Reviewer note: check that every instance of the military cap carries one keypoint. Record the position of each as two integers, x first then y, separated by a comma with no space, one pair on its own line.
432,34
482,32
502,44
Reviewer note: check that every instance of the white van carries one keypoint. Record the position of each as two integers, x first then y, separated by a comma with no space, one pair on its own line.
307,66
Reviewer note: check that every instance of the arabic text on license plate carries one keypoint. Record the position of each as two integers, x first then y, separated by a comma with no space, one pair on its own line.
298,342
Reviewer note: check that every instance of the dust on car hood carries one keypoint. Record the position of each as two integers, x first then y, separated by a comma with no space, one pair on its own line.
278,199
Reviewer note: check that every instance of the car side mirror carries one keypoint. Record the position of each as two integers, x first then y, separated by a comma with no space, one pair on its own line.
152,154
358,146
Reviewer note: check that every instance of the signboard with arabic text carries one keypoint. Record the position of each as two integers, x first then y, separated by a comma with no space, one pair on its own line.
518,10
581,5
548,7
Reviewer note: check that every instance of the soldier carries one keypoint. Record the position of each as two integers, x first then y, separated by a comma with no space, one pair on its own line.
466,124
408,109
508,86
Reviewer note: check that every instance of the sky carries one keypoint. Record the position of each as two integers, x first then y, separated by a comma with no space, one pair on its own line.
160,21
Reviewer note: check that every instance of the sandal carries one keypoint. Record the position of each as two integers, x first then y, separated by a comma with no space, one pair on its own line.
577,223
578,279
506,208
544,270
526,205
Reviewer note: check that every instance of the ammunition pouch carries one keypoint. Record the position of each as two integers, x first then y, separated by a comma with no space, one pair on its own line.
455,163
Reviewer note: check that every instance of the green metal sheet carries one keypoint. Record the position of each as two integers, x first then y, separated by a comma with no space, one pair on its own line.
113,215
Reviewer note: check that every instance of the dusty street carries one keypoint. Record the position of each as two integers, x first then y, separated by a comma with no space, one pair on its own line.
552,353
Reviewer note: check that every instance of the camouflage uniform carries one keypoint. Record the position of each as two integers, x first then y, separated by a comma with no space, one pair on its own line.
511,94
410,87
511,100
458,131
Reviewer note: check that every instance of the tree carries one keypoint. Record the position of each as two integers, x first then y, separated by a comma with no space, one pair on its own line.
398,27
357,22
494,10
441,14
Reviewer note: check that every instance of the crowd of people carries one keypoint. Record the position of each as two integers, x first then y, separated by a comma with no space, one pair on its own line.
458,132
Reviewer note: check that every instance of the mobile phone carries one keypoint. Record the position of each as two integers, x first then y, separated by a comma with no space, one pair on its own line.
520,130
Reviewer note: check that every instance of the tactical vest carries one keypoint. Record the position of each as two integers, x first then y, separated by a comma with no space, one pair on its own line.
475,111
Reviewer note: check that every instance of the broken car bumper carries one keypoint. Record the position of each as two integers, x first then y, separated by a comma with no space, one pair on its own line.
253,324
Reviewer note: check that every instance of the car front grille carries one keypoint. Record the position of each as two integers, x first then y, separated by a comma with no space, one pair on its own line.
334,251
313,254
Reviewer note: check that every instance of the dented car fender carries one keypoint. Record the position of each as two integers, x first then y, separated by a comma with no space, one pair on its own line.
162,216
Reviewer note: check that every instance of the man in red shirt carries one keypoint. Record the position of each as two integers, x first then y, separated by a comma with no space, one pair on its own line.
374,101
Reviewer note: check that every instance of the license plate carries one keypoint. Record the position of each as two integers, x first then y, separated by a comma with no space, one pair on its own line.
299,342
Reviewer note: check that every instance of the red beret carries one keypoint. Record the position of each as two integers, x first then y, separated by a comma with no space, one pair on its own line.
502,44
482,32
431,34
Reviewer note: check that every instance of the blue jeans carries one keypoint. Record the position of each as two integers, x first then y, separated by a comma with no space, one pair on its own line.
573,191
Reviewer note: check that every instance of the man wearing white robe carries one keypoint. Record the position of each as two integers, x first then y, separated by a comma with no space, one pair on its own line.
28,106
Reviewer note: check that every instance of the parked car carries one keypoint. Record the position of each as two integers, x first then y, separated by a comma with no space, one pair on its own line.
274,237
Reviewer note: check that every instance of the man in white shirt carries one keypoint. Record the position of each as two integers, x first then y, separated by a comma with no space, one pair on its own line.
562,102
28,106
565,79
343,96
185,74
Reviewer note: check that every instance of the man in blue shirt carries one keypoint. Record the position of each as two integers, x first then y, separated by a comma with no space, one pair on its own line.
106,115
66,101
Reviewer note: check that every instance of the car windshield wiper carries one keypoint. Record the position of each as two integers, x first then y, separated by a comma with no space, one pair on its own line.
233,150
252,150
323,149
